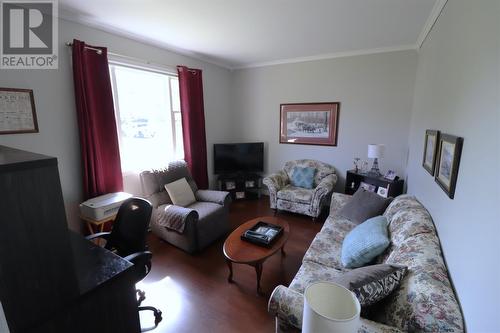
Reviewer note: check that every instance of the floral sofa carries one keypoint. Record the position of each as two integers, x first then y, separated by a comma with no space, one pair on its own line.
284,196
425,300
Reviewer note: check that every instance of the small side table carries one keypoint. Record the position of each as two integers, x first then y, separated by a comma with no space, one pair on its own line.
97,223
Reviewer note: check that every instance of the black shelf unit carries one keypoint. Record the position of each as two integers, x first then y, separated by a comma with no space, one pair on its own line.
241,185
353,179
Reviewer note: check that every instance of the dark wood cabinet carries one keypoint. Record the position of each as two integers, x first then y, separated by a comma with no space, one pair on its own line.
354,179
51,279
241,186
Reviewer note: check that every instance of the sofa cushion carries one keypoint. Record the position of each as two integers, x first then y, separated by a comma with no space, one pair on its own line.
180,192
364,205
326,247
296,194
303,177
365,242
425,301
372,283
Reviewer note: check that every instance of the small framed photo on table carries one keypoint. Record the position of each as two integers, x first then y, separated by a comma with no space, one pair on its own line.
230,185
368,187
382,191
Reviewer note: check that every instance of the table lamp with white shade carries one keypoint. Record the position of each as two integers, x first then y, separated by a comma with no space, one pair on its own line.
375,151
330,307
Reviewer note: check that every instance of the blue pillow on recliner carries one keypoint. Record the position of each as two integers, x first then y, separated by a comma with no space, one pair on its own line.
303,177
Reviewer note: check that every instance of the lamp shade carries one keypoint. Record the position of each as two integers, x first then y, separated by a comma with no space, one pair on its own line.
376,150
329,307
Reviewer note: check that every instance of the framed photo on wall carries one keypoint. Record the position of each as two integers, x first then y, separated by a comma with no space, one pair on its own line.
17,111
430,150
448,161
309,123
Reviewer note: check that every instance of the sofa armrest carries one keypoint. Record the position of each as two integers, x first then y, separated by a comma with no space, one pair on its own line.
369,326
338,201
175,217
287,305
219,197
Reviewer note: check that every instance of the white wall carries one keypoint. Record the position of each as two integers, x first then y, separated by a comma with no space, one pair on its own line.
375,92
55,106
457,92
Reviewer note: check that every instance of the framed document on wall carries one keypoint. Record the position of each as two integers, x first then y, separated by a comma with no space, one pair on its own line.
17,111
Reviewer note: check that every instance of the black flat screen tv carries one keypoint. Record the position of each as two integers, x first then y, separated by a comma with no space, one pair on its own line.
238,157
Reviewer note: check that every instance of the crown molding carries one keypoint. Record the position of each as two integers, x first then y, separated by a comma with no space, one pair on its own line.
330,56
431,20
70,16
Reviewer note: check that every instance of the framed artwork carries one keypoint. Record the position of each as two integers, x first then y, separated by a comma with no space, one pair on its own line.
430,151
368,187
382,191
447,163
17,111
309,123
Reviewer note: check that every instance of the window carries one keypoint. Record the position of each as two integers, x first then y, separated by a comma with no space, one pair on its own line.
148,117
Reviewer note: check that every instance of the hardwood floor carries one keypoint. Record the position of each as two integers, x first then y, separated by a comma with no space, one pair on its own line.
192,290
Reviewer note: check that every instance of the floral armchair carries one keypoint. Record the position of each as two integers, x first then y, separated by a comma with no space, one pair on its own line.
284,196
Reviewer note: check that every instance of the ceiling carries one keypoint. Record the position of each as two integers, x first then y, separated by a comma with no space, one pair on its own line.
249,33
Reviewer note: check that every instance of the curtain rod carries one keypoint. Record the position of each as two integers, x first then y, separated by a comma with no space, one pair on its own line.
99,51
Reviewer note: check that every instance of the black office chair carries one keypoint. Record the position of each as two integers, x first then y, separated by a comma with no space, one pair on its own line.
128,240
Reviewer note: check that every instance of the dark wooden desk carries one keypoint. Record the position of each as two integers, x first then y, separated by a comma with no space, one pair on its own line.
51,279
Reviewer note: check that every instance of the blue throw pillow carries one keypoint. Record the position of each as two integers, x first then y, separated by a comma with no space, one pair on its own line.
303,177
366,241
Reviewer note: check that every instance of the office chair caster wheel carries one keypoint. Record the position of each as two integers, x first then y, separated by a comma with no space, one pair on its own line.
142,296
158,317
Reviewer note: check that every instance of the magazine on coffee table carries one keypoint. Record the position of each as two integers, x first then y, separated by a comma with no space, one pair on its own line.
262,233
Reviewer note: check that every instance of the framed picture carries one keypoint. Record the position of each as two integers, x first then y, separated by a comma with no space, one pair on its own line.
230,185
390,174
430,151
17,111
368,187
382,191
448,161
309,123
249,183
240,195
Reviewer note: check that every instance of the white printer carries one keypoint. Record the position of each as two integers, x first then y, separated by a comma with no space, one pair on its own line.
104,206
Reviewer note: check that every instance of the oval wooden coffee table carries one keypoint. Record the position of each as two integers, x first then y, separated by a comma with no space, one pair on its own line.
239,251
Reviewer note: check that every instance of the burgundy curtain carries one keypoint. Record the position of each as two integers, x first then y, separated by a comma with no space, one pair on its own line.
193,123
96,121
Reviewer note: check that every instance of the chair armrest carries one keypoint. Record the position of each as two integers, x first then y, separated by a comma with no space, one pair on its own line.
103,235
287,305
325,186
276,181
338,201
219,197
175,217
139,258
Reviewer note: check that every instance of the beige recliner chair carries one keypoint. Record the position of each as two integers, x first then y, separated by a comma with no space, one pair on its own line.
190,228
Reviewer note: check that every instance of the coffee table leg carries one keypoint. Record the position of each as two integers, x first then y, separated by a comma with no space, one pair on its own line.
230,266
283,250
258,270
